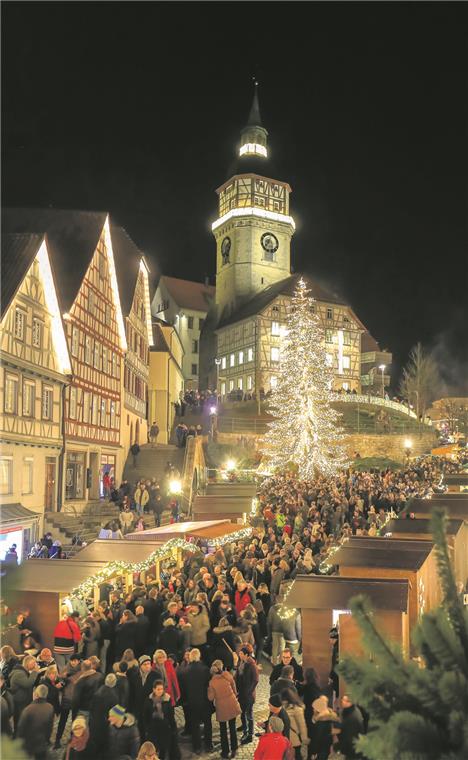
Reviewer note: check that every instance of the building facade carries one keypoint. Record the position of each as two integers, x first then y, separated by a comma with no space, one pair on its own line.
375,366
184,304
240,345
85,248
166,377
34,374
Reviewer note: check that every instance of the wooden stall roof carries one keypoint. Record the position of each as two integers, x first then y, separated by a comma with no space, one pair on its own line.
222,504
420,525
201,529
400,554
455,508
50,575
456,479
333,592
109,550
231,489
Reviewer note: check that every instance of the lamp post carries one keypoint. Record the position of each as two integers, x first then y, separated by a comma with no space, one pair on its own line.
382,369
217,362
408,447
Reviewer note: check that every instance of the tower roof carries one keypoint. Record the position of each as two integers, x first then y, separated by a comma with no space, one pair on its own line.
255,119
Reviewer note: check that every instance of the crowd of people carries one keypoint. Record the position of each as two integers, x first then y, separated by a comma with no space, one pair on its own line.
198,640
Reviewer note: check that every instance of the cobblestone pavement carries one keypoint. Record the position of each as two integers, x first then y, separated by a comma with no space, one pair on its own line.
245,752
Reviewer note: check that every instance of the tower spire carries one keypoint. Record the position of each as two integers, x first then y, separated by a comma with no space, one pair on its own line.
254,135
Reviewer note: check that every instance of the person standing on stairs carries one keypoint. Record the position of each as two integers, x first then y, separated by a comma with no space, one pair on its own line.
141,498
135,450
153,434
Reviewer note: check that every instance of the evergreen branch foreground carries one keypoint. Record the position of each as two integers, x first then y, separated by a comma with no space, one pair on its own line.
418,711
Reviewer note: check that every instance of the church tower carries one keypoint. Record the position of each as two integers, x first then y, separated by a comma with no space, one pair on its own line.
253,230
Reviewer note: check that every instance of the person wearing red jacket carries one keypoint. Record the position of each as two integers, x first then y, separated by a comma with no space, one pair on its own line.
172,684
67,634
242,597
273,745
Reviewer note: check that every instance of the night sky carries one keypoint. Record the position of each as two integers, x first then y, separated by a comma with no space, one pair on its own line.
136,108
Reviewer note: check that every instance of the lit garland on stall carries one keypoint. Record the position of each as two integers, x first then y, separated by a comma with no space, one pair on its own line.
305,429
284,611
230,538
85,589
326,565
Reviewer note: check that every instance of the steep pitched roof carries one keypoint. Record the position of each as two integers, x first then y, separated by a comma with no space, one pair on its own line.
283,287
127,258
159,341
188,294
72,237
18,253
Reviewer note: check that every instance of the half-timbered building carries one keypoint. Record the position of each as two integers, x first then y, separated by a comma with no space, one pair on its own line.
82,250
34,373
134,288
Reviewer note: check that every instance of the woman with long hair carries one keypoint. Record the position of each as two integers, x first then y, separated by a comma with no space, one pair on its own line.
147,752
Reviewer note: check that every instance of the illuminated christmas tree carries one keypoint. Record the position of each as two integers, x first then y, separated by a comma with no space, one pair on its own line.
305,429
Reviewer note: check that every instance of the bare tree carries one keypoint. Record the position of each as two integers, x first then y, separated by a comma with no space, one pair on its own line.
420,381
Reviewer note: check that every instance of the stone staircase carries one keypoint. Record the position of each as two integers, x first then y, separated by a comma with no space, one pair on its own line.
73,522
151,462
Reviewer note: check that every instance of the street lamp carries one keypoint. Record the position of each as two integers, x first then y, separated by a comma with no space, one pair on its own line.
175,487
408,447
382,369
217,362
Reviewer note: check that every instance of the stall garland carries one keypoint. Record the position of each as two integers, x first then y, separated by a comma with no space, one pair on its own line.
85,589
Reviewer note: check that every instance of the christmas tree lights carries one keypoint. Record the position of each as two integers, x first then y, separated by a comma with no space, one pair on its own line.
305,429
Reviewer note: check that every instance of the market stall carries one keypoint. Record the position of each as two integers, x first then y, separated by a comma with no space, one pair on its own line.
399,559
324,602
232,489
108,550
19,526
234,508
455,505
457,483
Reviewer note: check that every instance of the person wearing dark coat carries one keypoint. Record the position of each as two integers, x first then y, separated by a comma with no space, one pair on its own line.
125,634
102,701
85,687
284,682
54,688
352,724
309,691
22,681
287,659
171,639
223,644
122,686
160,725
199,707
247,676
123,736
142,636
153,609
7,709
36,723
144,687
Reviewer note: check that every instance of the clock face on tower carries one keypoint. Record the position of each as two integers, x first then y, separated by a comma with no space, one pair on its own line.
269,242
225,248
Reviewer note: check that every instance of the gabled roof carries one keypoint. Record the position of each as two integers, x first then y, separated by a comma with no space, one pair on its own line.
282,288
17,254
188,294
159,341
72,238
127,258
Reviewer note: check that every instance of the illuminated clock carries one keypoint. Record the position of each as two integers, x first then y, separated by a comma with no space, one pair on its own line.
225,248
269,242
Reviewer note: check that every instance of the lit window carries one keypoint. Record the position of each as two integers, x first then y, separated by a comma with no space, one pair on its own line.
94,404
231,385
75,341
275,328
29,398
329,313
329,336
47,402
329,360
232,360
345,386
346,362
241,357
223,363
346,338
11,395
249,382
91,302
72,407
37,333
194,346
273,381
6,476
104,359
112,414
97,355
250,355
223,389
20,324
88,349
103,412
240,383
27,476
275,354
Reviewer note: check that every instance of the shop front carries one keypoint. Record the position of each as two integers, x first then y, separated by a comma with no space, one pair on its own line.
75,475
19,527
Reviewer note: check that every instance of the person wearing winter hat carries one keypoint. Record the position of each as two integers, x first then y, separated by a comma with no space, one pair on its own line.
79,747
103,699
322,722
123,736
273,745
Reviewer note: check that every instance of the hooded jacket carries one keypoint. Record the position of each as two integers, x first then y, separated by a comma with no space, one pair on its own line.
85,688
22,683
